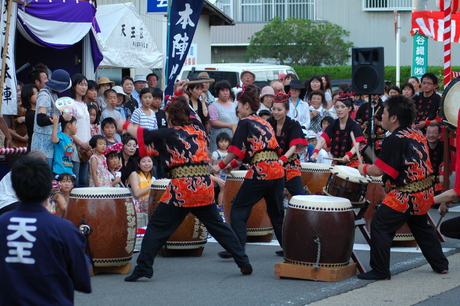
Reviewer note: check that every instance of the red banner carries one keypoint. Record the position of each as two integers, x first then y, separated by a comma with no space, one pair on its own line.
431,24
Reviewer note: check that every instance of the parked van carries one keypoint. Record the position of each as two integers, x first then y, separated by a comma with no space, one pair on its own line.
231,72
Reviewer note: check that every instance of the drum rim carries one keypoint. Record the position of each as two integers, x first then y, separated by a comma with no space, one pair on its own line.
100,192
318,167
320,203
337,169
452,84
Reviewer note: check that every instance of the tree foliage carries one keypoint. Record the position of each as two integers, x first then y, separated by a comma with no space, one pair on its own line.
300,42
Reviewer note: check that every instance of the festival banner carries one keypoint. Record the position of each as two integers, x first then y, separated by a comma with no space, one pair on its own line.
183,19
9,95
419,55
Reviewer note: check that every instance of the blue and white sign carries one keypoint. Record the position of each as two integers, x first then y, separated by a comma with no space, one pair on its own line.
157,6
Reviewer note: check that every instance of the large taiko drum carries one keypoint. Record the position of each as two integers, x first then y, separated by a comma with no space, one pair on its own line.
190,235
346,182
110,216
314,177
319,230
375,195
450,103
259,227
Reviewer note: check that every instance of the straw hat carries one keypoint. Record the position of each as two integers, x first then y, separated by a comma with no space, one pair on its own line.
204,77
105,80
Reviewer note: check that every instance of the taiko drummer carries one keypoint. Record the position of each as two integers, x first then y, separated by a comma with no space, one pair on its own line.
338,134
406,168
254,142
191,190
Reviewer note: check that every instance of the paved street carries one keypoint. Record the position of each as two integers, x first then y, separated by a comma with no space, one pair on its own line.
210,280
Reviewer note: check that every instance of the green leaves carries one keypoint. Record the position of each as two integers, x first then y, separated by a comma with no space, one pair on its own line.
300,42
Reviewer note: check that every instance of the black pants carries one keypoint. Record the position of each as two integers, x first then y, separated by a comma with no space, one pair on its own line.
167,218
250,192
295,186
451,228
384,225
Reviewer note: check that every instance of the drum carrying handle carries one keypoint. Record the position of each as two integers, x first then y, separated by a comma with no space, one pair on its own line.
84,228
318,254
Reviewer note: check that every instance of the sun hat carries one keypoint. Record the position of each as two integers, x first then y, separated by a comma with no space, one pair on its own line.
247,71
204,77
296,84
59,80
105,80
267,90
281,76
119,91
311,135
140,78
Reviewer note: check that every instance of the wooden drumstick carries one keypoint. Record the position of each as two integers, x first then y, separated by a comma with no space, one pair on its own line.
332,158
356,145
439,222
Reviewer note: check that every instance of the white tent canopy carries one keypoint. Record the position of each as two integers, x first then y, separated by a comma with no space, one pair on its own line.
124,38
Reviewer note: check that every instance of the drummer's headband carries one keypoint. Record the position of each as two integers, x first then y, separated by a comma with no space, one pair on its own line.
281,98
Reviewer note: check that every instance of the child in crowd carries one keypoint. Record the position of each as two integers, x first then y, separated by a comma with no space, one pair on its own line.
109,129
110,96
156,107
98,171
63,145
29,102
144,116
90,97
140,182
60,198
223,141
312,138
122,98
94,119
114,164
265,114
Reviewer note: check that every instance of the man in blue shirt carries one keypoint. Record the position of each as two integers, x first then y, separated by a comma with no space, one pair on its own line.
41,255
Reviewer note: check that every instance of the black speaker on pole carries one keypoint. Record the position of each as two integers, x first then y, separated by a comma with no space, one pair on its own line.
368,71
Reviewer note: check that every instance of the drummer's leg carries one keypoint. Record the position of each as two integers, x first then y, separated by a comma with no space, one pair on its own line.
385,223
295,186
273,196
164,222
222,232
251,191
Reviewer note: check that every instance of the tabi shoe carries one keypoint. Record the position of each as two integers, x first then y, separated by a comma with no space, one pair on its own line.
225,254
371,275
135,276
280,253
246,270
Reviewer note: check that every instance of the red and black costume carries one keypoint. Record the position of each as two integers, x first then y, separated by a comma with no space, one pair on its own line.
340,140
364,114
184,149
254,142
437,160
427,107
291,135
405,160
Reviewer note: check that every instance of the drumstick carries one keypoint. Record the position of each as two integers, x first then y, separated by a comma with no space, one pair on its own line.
439,222
332,158
356,145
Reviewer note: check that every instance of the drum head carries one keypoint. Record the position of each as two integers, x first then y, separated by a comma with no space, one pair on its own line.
320,203
314,167
450,102
100,193
161,184
237,175
350,174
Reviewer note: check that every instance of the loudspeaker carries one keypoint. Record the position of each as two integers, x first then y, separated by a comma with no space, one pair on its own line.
368,71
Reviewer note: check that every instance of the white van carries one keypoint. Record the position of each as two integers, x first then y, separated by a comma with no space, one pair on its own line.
231,72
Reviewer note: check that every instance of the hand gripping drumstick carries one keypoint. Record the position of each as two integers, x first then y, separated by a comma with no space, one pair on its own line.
356,145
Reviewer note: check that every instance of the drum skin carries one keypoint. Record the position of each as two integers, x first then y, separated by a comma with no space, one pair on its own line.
450,104
346,182
375,195
191,234
259,227
315,176
111,214
310,217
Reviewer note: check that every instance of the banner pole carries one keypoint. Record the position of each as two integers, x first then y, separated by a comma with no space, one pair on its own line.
5,50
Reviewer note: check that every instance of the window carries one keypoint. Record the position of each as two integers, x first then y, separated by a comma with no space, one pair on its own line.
387,5
225,6
264,10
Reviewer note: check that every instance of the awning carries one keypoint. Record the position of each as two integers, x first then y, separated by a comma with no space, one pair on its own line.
125,40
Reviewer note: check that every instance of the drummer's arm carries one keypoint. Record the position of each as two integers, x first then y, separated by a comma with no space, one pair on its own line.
288,154
224,164
369,169
447,196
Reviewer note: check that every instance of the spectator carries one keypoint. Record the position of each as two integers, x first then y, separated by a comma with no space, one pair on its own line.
103,83
152,80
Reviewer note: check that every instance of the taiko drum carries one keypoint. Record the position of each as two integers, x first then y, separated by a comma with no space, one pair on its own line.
191,234
259,227
318,230
108,217
348,183
314,177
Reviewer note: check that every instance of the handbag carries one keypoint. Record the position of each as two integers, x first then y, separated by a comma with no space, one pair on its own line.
84,155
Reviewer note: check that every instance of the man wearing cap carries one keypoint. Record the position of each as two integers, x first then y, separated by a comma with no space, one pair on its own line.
46,109
140,82
103,84
247,78
206,95
152,80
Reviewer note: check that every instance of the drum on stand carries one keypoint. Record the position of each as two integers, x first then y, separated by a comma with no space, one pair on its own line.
189,238
346,182
375,195
259,227
314,177
319,231
450,103
108,219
